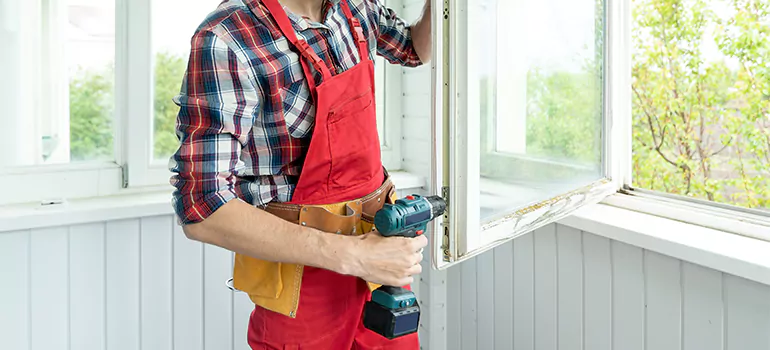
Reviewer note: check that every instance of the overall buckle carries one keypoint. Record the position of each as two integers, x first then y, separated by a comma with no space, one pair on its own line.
359,30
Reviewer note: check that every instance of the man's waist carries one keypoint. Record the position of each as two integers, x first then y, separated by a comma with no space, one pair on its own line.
363,208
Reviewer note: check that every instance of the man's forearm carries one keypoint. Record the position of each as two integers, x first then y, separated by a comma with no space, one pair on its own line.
244,229
421,34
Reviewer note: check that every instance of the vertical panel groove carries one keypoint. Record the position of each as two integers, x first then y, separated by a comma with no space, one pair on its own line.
29,289
613,298
612,295
556,283
681,305
725,307
644,283
139,284
104,290
203,295
69,287
171,306
583,290
534,296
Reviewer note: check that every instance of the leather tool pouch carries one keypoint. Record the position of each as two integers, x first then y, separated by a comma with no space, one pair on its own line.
276,286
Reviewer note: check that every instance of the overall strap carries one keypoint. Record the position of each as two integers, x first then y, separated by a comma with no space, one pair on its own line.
358,31
307,52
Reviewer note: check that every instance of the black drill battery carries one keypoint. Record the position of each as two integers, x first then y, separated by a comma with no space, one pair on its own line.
392,312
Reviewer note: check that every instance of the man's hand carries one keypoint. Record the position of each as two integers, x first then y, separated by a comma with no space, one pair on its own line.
384,260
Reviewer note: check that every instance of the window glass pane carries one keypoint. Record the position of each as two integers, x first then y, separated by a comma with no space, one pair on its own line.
173,24
701,99
57,73
540,82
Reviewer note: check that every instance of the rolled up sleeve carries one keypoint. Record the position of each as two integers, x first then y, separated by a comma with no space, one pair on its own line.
217,104
394,36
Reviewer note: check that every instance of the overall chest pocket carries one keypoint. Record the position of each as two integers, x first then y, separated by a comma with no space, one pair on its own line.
297,108
354,142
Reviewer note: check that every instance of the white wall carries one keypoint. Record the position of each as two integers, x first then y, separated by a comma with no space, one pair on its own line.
140,284
132,284
560,288
119,285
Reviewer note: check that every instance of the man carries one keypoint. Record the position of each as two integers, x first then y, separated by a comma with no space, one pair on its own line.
279,162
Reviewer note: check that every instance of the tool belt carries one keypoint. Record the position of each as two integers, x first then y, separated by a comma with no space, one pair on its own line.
276,286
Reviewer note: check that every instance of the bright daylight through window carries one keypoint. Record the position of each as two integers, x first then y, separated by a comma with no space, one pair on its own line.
171,50
58,101
701,99
541,100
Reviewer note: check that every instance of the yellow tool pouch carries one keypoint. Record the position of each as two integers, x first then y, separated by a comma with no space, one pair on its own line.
276,286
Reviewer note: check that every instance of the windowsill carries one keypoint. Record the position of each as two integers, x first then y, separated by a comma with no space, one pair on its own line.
724,251
119,207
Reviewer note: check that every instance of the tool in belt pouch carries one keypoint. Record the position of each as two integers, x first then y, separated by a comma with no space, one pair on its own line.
276,286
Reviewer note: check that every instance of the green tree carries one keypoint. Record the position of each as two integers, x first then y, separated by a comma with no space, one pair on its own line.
92,109
169,72
700,128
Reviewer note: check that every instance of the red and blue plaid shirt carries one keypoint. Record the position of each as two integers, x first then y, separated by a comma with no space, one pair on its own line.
244,98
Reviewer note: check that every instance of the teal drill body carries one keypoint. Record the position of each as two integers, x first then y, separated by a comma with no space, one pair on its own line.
394,311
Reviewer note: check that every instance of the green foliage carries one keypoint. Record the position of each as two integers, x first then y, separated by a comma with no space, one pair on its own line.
92,110
563,111
701,129
169,72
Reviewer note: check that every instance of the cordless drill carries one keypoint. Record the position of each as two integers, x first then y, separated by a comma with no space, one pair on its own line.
394,311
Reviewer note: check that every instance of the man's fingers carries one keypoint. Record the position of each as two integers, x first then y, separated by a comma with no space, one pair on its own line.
415,270
419,242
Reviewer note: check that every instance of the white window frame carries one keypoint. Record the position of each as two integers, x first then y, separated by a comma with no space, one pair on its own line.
134,169
457,150
458,239
388,93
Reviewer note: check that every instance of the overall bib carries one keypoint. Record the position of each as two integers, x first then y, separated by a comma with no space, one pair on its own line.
342,176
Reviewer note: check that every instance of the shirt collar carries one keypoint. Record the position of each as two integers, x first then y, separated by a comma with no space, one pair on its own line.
298,22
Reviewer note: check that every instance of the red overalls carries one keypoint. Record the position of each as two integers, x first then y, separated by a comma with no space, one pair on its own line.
342,164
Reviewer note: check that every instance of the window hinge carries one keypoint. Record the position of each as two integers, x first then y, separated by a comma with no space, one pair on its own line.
445,239
124,175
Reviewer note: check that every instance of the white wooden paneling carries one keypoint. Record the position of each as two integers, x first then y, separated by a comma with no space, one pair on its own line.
747,318
217,298
485,277
503,297
454,316
469,336
664,307
87,287
546,302
597,293
570,300
49,288
156,282
242,307
123,285
627,297
701,308
188,292
14,290
140,284
523,293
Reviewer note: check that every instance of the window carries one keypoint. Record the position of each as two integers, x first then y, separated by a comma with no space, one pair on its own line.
706,135
58,97
87,90
523,116
665,101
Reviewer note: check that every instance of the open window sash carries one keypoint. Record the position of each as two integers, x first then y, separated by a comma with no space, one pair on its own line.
504,156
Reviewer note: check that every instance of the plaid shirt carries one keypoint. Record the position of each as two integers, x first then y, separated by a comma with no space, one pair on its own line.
246,115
